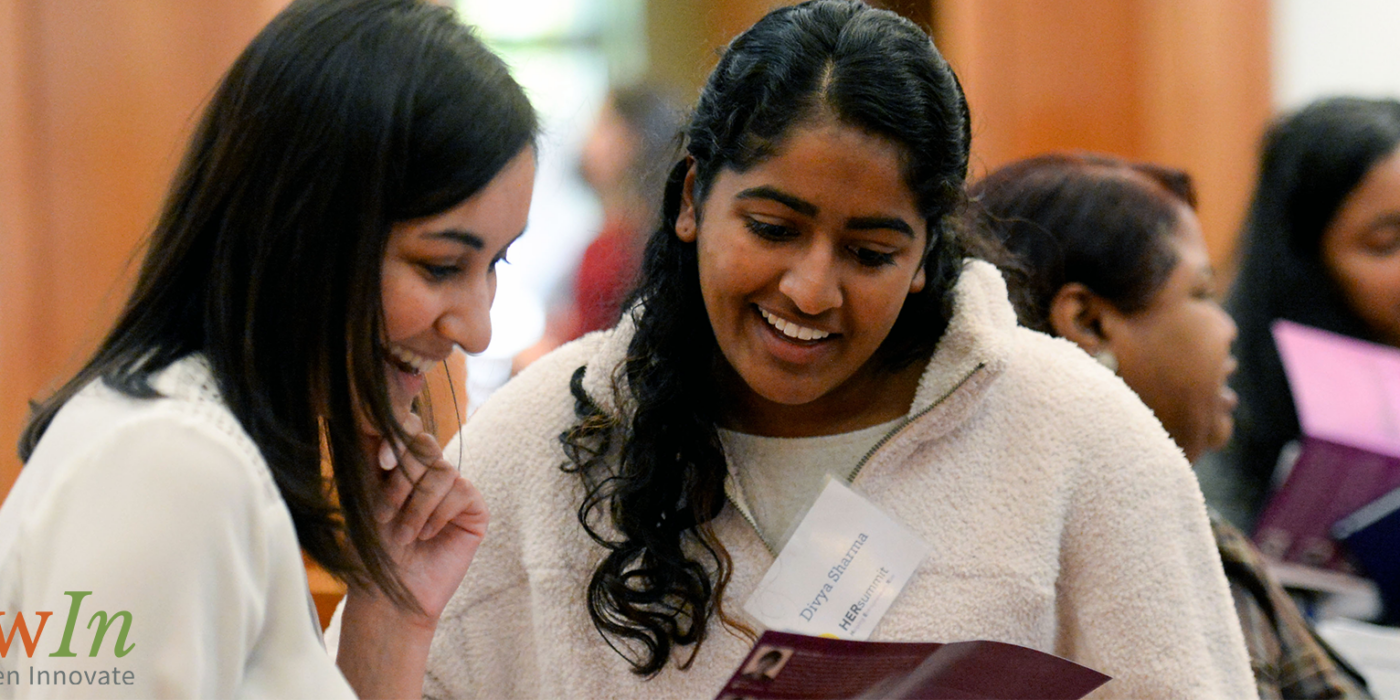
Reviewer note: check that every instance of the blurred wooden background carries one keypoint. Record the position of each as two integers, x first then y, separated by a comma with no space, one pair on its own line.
97,98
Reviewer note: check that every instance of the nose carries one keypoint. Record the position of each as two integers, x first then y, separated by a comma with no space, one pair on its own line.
812,281
467,320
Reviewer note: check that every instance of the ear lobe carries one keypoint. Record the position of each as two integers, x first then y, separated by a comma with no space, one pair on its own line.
919,280
1077,314
687,225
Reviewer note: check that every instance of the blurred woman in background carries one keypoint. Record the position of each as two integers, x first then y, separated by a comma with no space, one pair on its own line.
1321,247
624,160
1114,260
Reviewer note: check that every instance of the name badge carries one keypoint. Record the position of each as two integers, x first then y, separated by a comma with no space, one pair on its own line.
841,570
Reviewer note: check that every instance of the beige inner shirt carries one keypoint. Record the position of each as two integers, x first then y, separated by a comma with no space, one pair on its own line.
779,478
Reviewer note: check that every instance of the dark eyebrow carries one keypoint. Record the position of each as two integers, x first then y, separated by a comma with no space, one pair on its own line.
870,223
466,238
800,206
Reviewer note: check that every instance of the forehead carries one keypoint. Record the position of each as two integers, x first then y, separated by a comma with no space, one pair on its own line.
841,165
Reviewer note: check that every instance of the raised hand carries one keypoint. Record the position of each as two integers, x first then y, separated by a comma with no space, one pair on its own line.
431,518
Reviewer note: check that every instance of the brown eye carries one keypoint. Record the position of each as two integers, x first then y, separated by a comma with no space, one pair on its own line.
440,273
772,232
1382,240
872,258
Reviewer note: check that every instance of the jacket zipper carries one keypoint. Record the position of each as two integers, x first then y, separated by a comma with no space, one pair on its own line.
728,494
910,419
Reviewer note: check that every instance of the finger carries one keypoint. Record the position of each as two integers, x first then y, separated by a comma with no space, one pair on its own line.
464,506
412,424
394,489
413,460
427,494
406,468
425,447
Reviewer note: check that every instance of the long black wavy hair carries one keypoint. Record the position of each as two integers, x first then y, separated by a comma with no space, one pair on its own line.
341,118
1311,160
656,477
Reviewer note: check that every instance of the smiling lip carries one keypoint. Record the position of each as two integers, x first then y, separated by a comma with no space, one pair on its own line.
408,361
793,350
1229,398
410,370
1228,395
792,330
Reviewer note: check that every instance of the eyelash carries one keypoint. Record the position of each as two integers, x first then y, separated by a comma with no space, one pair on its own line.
444,273
774,232
441,273
1383,242
872,258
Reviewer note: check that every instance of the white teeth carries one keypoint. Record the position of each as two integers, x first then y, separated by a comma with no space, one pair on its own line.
792,330
410,358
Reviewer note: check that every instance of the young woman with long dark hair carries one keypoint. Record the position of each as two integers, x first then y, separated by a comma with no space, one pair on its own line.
1320,247
331,234
809,307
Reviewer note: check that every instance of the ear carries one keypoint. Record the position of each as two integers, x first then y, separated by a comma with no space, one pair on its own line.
917,285
1078,315
687,223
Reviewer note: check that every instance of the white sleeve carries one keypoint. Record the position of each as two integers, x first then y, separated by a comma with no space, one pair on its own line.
165,520
1143,595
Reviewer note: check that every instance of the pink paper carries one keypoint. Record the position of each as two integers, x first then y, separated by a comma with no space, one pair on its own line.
1346,390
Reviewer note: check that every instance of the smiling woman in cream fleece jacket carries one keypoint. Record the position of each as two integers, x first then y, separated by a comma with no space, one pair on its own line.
1061,517
806,306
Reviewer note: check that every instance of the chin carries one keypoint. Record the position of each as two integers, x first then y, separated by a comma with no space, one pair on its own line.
1220,437
786,391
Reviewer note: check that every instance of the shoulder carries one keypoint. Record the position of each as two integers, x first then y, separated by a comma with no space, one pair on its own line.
1056,380
184,445
539,391
145,484
1039,388
167,451
511,444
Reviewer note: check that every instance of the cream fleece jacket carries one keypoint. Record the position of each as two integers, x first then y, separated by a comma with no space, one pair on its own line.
1061,515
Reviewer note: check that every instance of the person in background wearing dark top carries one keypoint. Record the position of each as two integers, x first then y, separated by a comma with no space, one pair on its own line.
1111,257
1321,247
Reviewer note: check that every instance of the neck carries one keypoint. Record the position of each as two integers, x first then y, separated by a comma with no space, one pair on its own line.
869,398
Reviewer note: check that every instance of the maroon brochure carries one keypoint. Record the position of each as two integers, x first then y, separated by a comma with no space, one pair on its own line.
785,666
1347,394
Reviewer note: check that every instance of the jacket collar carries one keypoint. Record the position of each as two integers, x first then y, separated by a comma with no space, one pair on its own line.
973,351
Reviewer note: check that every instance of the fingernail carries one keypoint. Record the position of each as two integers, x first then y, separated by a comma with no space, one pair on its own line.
387,459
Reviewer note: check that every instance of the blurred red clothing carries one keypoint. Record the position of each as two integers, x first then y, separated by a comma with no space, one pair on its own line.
606,274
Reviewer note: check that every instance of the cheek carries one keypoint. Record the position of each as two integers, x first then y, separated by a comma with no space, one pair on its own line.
882,306
727,273
1373,288
408,304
